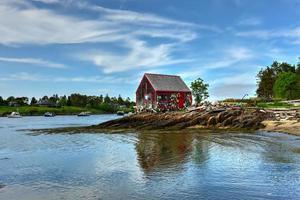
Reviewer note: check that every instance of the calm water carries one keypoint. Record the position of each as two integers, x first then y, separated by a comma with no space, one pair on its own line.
144,166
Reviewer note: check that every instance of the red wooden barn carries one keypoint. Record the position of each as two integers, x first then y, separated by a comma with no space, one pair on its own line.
163,92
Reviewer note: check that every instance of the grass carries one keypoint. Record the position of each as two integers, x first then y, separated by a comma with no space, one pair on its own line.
39,110
276,105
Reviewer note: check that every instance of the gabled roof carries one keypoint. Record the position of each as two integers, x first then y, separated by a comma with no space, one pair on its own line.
161,82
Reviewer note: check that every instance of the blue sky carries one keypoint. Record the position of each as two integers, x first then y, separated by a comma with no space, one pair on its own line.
104,46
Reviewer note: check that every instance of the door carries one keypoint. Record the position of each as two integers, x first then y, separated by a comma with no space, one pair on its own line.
181,100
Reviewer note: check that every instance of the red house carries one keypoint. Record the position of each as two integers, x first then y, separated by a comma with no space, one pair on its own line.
163,92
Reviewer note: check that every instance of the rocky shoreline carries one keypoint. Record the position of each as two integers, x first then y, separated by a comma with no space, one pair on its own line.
212,120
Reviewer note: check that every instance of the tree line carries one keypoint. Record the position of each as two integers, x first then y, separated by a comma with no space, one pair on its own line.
280,80
77,100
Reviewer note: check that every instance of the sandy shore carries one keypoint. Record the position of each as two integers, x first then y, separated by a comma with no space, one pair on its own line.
284,126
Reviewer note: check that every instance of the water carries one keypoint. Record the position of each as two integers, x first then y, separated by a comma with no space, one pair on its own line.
144,165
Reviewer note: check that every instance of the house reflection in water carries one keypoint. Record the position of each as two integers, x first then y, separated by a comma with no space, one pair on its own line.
169,152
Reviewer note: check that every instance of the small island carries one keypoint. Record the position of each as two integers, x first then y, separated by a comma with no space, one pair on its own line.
164,102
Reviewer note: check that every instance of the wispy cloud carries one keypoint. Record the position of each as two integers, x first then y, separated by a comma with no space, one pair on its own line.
33,61
251,21
293,34
22,76
233,85
32,25
32,77
139,56
126,29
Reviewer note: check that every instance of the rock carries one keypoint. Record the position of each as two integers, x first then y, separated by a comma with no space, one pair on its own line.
212,121
228,121
221,117
180,120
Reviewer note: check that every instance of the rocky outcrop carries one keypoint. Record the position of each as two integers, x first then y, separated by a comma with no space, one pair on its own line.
214,119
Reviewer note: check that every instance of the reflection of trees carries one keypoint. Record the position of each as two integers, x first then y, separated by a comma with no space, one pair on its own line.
201,150
169,150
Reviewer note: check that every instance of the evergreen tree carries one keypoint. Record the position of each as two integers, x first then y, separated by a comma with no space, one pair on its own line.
107,99
33,101
1,101
120,100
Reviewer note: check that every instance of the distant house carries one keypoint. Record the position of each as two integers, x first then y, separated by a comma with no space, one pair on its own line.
163,92
46,103
13,104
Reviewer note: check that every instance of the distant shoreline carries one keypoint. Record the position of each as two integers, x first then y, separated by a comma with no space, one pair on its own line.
41,110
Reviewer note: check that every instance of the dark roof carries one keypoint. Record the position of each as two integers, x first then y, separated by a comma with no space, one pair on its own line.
162,82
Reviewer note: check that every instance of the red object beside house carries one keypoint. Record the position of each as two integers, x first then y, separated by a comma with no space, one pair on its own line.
163,92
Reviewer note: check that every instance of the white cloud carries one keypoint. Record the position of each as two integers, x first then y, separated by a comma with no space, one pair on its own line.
22,76
293,34
232,56
33,61
229,58
22,25
139,56
251,21
233,86
32,25
25,76
47,1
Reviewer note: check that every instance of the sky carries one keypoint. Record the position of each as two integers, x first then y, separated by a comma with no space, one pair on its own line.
98,47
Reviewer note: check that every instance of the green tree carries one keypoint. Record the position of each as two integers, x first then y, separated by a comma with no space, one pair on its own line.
45,98
266,78
120,100
199,90
33,101
101,99
10,99
54,99
78,100
63,101
2,103
107,99
287,86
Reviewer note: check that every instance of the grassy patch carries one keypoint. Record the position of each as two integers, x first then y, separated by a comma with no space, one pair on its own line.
276,105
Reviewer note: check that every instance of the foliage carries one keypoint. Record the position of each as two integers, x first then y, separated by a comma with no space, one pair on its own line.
266,78
199,90
67,105
33,101
287,86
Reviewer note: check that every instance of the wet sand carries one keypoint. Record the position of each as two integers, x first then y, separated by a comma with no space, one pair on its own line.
284,126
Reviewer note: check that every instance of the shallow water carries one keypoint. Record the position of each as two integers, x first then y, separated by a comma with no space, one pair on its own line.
144,165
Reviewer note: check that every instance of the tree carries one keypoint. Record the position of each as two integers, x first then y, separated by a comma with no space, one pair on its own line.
120,100
1,101
63,101
266,81
10,99
101,99
22,101
107,99
54,99
199,90
45,98
267,77
287,86
33,101
78,100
